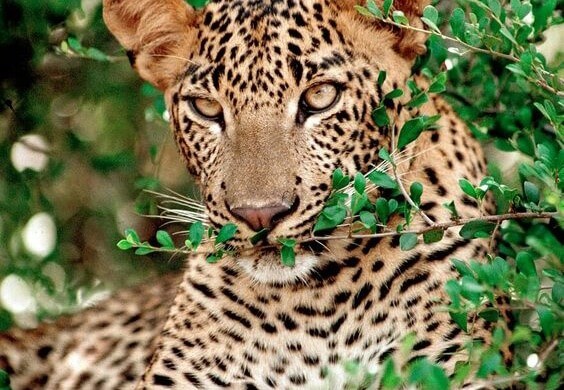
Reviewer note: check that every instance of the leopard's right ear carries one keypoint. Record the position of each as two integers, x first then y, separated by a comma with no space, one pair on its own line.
157,35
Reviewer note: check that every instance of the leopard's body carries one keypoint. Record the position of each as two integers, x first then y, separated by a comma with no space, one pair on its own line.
248,321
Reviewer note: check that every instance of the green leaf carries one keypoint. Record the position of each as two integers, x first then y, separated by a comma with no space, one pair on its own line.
470,288
196,234
452,288
558,293
74,44
428,375
517,69
359,183
4,380
491,362
462,267
382,179
96,54
532,192
165,239
396,93
226,233
495,7
490,315
381,77
330,218
259,236
416,190
547,110
374,9
547,320
339,179
507,34
430,24
380,116
384,154
383,210
477,229
124,245
460,318
433,236
457,22
386,7
438,84
390,378
198,3
358,202
393,205
408,241
214,257
467,188
526,264
400,18
431,17
431,13
451,207
368,220
418,100
144,251
411,130
132,236
461,372
288,256
6,321
364,11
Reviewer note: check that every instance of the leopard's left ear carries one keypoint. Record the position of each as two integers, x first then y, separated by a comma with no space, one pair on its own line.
157,35
410,44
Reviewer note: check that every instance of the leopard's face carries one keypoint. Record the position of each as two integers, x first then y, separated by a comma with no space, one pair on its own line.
272,97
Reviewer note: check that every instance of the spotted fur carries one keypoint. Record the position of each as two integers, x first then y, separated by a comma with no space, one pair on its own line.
249,322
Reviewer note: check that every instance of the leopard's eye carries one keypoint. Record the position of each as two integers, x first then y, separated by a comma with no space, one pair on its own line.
207,108
320,97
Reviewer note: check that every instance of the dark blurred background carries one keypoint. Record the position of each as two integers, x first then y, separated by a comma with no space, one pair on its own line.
81,137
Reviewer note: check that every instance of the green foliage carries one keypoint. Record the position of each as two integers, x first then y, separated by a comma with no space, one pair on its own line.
4,381
68,84
287,252
510,95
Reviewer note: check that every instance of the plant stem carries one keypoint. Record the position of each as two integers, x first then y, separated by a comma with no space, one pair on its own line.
540,82
443,225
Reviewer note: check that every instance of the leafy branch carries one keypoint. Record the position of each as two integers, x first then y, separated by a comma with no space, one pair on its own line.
460,28
443,226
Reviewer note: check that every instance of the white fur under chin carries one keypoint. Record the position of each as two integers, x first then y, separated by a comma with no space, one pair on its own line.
269,269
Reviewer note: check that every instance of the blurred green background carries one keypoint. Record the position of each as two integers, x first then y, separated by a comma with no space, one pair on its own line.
81,136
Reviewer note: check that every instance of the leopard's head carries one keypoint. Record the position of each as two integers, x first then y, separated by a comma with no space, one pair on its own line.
267,99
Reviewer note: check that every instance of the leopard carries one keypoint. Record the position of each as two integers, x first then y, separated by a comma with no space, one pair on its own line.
266,100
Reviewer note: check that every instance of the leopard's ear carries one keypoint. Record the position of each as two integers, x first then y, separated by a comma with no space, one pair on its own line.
409,43
156,34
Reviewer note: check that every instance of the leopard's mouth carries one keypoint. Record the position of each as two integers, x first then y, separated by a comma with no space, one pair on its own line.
264,265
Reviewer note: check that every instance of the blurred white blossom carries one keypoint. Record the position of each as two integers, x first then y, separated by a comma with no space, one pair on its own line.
30,152
39,235
16,295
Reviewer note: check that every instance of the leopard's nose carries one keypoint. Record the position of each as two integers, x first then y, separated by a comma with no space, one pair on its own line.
259,218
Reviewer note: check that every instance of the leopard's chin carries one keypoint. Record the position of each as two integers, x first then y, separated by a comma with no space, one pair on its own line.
264,266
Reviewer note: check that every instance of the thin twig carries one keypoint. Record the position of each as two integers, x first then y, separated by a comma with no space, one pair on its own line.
541,82
451,39
445,225
425,217
435,226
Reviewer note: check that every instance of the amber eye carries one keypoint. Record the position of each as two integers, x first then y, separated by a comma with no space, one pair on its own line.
207,108
320,97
